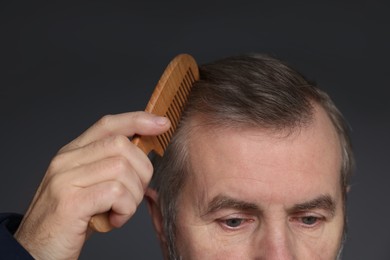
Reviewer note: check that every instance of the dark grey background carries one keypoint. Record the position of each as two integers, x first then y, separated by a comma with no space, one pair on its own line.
65,65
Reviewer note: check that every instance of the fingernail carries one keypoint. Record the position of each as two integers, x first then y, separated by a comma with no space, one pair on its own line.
160,120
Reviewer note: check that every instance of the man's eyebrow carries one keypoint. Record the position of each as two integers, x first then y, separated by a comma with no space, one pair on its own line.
324,202
226,202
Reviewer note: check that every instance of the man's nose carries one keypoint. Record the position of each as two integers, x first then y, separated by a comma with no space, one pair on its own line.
276,243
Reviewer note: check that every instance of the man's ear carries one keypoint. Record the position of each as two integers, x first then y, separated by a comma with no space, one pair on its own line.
151,197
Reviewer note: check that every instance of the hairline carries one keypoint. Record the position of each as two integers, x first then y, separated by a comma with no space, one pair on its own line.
184,136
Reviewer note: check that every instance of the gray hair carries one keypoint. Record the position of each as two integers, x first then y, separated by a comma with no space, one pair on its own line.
243,91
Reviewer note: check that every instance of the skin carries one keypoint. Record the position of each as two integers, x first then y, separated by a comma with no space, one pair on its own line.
261,194
99,171
254,194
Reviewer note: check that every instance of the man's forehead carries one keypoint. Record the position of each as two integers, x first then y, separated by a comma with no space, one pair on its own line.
208,128
304,159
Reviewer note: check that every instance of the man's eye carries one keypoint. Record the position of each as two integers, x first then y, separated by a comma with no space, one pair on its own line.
233,222
309,220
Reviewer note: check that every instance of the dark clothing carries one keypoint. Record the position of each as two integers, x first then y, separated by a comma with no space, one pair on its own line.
9,246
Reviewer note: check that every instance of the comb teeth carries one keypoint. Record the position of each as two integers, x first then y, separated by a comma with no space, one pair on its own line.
176,108
168,99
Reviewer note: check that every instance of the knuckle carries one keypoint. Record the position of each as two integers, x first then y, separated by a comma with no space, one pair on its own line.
120,165
57,162
104,122
137,115
117,190
138,118
120,142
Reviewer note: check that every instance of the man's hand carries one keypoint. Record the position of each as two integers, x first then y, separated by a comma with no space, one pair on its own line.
99,171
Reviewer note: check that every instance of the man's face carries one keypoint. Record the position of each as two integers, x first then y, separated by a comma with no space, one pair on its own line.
261,194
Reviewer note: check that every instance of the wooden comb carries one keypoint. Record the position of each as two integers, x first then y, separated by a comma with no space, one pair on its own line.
168,99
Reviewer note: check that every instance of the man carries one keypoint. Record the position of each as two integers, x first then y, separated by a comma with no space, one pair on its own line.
258,169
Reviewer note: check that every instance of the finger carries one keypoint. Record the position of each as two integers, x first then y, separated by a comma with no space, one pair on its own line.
115,169
126,124
107,196
114,146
